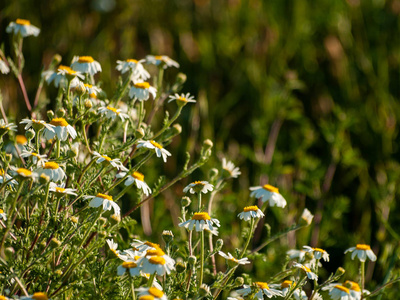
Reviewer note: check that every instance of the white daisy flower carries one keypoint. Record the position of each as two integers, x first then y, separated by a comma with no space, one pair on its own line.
138,179
85,64
162,60
91,89
268,193
262,289
105,200
20,142
60,190
24,27
338,292
230,168
307,216
135,66
37,159
36,125
3,215
362,251
24,173
144,246
242,261
160,151
62,75
153,291
134,269
7,178
113,247
182,99
250,212
201,221
112,113
311,275
61,129
53,170
36,296
142,91
317,252
116,162
300,254
286,285
198,187
4,69
156,261
6,127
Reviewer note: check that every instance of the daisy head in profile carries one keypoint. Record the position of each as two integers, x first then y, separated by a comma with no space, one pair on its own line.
85,64
60,189
61,129
138,179
105,160
23,173
199,187
153,145
229,257
362,251
22,27
36,125
182,99
162,61
104,200
311,275
261,289
135,66
112,113
37,159
229,169
200,221
317,252
53,170
153,292
250,212
141,90
5,127
268,193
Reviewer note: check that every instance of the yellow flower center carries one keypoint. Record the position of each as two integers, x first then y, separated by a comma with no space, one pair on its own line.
66,69
138,176
3,298
201,216
156,292
129,264
136,257
59,190
157,260
342,288
286,284
1,172
159,57
142,85
24,172
1,211
51,165
319,250
262,285
198,183
106,157
113,109
363,247
271,188
88,85
156,252
155,144
250,208
39,296
150,244
59,122
307,269
146,297
21,139
85,59
93,95
132,60
23,22
34,154
352,285
106,197
183,99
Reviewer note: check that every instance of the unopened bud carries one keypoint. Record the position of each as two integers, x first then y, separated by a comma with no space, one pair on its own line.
208,144
192,260
116,218
308,256
56,59
339,272
61,112
43,179
239,281
9,252
80,89
139,133
204,290
50,114
30,134
88,104
180,267
59,272
167,236
177,129
55,243
219,244
181,78
185,201
103,233
74,219
8,157
43,244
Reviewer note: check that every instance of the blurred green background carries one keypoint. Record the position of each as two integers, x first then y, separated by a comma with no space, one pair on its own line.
301,94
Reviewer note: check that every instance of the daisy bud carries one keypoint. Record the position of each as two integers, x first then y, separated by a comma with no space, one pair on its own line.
80,90
339,272
60,112
103,233
239,281
74,219
50,114
180,78
185,201
59,272
30,134
72,153
88,104
180,267
139,133
9,252
8,157
204,290
167,236
116,218
176,129
219,244
54,243
43,179
43,244
192,260
213,174
208,144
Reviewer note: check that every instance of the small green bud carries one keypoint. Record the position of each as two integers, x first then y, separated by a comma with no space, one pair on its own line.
139,133
30,134
8,157
239,281
185,201
50,114
9,252
43,178
103,233
59,272
192,260
57,58
43,244
180,267
115,219
80,89
339,272
218,245
167,236
181,78
204,290
176,129
60,112
88,104
74,219
54,243
208,144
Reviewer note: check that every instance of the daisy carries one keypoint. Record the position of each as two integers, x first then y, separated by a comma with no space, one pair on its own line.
161,60
23,27
7,178
268,193
37,159
307,216
300,254
317,252
62,75
160,151
138,179
61,129
202,221
153,291
311,275
199,186
4,69
112,113
20,142
142,91
3,216
6,127
24,173
242,261
134,269
85,64
37,125
298,294
338,292
36,296
144,246
116,163
250,212
156,261
113,247
182,99
60,190
105,200
362,251
53,170
230,168
135,66
262,289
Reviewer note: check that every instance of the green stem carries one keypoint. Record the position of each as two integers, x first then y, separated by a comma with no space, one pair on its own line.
90,228
151,279
362,270
248,238
299,283
85,137
85,170
132,288
122,193
201,258
199,202
58,146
